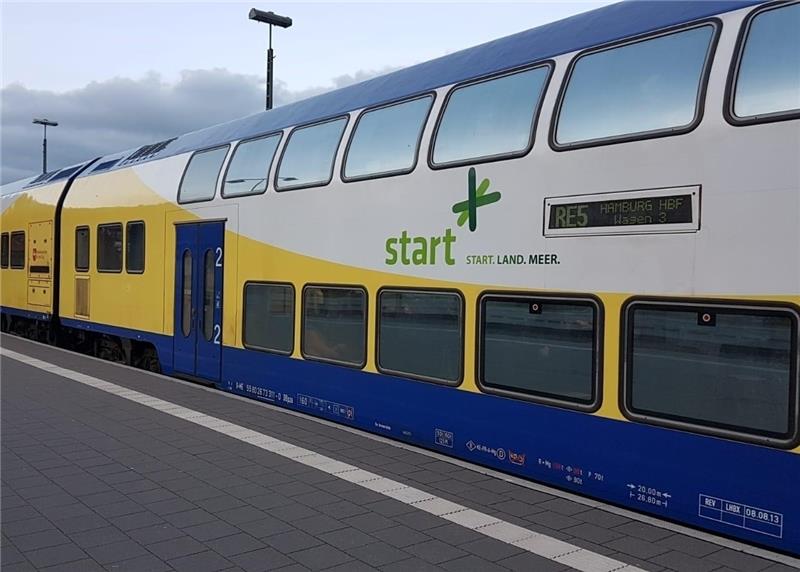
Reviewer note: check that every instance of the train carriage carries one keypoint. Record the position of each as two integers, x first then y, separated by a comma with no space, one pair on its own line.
572,254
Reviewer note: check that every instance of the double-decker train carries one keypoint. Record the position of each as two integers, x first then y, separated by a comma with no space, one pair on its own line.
571,254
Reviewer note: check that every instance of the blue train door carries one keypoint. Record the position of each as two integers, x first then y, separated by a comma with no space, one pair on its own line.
199,260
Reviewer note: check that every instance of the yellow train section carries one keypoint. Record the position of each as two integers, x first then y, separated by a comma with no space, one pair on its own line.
121,299
28,220
145,302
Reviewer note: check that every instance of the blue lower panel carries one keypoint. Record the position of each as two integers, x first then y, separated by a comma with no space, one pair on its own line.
44,316
162,343
737,489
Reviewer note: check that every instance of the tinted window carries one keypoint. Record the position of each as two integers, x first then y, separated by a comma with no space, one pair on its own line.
334,324
109,248
489,118
309,155
82,248
269,317
386,139
200,179
713,367
420,334
134,247
539,347
186,294
769,72
4,250
17,250
646,86
249,167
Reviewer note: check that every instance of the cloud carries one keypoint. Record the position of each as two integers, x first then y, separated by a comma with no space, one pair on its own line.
121,113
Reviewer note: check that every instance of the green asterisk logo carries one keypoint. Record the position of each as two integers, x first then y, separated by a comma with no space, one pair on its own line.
476,197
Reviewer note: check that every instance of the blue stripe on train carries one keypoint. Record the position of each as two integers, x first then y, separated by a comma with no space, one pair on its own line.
162,343
736,489
41,316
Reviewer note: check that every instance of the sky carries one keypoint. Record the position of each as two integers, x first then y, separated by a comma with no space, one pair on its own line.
116,75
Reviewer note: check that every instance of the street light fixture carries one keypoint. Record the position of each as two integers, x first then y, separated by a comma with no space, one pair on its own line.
273,20
45,123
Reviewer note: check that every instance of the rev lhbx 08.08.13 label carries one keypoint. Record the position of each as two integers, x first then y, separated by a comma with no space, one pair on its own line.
652,211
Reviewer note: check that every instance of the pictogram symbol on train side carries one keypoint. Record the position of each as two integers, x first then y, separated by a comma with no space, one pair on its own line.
476,197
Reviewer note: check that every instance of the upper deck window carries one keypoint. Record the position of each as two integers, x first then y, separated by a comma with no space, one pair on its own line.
648,87
308,158
249,168
199,181
386,140
768,79
490,119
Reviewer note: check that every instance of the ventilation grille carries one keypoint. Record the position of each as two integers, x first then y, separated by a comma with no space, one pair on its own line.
147,151
105,166
63,174
40,179
82,296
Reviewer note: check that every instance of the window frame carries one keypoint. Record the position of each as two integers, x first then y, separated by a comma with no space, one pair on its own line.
751,307
598,343
11,236
144,246
346,117
462,321
550,64
309,357
700,99
122,253
244,316
267,179
226,146
88,248
5,238
396,172
729,99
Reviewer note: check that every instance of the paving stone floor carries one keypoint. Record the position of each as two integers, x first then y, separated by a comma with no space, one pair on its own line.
91,481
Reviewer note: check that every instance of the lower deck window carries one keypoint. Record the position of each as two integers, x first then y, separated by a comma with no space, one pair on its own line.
720,368
18,249
134,247
4,250
82,248
420,334
335,324
269,317
541,348
109,247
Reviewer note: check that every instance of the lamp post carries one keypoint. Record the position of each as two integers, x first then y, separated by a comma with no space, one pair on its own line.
273,20
45,123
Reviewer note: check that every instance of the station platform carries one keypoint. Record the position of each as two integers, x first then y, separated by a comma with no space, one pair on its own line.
105,467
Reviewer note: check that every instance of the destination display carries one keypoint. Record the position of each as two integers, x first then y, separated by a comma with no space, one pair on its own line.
624,213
